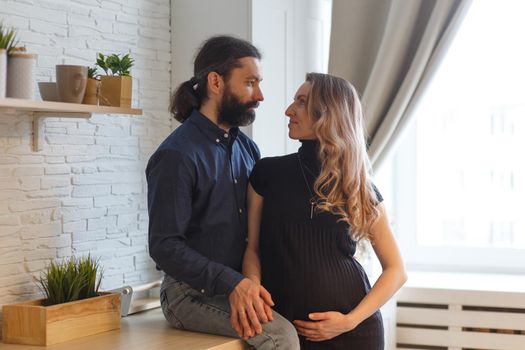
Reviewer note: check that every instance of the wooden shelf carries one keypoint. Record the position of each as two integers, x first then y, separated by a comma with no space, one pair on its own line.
44,109
62,107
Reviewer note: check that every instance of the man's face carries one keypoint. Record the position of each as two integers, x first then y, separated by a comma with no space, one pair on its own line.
242,94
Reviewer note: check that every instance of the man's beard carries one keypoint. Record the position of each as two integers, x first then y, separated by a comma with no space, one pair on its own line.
235,113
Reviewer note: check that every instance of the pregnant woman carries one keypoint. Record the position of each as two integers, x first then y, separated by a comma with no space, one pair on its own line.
307,211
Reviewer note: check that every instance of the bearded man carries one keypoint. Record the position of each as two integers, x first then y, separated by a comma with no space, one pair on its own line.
197,182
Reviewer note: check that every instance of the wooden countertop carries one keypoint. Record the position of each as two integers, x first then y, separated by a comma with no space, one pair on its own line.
144,330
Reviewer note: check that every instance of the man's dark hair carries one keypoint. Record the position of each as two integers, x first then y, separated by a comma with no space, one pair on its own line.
218,54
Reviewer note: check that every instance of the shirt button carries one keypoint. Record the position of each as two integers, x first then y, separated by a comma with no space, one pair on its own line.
226,135
235,180
240,211
217,140
202,291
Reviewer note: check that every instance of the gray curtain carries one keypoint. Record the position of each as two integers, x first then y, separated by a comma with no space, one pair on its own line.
389,50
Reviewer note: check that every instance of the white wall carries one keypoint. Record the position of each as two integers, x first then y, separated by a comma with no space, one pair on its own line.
194,21
293,36
290,34
86,190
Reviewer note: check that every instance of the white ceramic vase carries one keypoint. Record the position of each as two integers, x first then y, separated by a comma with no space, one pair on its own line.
3,72
21,76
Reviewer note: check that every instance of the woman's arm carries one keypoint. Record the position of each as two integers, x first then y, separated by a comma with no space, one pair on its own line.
392,277
251,266
329,324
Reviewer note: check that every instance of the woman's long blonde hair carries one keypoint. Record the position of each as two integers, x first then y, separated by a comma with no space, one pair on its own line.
344,185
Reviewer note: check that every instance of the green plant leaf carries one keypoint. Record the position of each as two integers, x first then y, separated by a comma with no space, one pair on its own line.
92,72
101,62
115,65
7,38
72,279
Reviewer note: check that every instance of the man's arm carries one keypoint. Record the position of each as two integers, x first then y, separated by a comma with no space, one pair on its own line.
171,179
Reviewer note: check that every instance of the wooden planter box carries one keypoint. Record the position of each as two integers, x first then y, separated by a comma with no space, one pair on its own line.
31,323
115,91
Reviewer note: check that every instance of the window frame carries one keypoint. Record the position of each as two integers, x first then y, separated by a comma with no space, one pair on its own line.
442,258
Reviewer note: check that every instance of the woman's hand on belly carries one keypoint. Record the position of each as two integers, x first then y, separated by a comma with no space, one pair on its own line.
324,325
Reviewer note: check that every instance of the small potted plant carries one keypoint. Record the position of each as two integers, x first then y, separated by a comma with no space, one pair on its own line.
92,87
7,43
116,85
72,302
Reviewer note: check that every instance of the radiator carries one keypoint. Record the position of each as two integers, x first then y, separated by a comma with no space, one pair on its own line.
451,319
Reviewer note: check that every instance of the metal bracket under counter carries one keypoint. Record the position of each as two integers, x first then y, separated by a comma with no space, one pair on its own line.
129,306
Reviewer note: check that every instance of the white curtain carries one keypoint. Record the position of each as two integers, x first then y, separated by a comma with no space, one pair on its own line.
389,50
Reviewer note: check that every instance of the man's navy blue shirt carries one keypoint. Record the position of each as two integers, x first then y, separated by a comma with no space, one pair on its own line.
197,181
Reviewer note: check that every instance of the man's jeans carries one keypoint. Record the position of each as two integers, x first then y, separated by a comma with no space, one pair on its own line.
186,308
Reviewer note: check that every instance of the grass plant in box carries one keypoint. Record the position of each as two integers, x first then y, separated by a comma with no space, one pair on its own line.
73,306
73,279
116,85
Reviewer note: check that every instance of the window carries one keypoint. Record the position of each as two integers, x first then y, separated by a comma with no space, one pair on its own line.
460,172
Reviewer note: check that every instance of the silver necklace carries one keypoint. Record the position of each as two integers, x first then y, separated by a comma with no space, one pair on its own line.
312,198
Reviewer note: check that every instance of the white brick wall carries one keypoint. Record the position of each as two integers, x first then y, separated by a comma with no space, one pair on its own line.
85,191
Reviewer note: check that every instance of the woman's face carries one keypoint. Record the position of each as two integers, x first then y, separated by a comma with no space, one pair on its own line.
301,125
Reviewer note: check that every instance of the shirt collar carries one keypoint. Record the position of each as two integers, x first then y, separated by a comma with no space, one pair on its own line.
211,130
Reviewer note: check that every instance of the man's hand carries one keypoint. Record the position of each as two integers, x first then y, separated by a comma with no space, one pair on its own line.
250,305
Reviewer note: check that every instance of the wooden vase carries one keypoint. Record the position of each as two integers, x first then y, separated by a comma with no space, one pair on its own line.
71,82
91,95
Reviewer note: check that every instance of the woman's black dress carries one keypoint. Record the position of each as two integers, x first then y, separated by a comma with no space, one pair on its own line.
308,264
